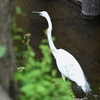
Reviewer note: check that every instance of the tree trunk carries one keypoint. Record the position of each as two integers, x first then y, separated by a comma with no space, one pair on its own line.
7,64
91,8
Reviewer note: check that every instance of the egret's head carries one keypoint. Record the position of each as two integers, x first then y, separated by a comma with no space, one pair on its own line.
42,13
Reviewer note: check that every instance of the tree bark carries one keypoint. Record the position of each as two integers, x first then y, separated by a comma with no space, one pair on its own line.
7,63
91,7
4,95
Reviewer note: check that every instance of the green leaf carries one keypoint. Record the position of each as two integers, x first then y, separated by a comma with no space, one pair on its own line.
19,11
54,73
2,51
44,41
17,37
20,29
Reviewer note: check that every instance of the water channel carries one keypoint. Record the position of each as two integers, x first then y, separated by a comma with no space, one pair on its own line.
78,36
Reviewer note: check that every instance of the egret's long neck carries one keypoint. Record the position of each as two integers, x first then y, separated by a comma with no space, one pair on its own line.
49,31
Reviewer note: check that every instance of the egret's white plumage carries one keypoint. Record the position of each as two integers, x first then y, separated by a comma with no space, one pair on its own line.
67,64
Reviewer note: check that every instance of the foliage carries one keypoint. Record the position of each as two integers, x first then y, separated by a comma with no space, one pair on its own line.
15,28
17,33
38,81
37,78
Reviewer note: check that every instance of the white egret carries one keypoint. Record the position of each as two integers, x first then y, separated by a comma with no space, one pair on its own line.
67,64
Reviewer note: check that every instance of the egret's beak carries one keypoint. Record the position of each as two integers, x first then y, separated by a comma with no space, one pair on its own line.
35,12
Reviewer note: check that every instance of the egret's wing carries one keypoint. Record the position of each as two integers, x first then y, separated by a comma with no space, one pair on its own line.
69,67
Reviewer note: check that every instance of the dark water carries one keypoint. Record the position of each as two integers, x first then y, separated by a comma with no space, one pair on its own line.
78,36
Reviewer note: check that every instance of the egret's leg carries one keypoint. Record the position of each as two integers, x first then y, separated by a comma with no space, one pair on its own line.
63,77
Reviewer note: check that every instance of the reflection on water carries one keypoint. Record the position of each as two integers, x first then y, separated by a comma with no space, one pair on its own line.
78,36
